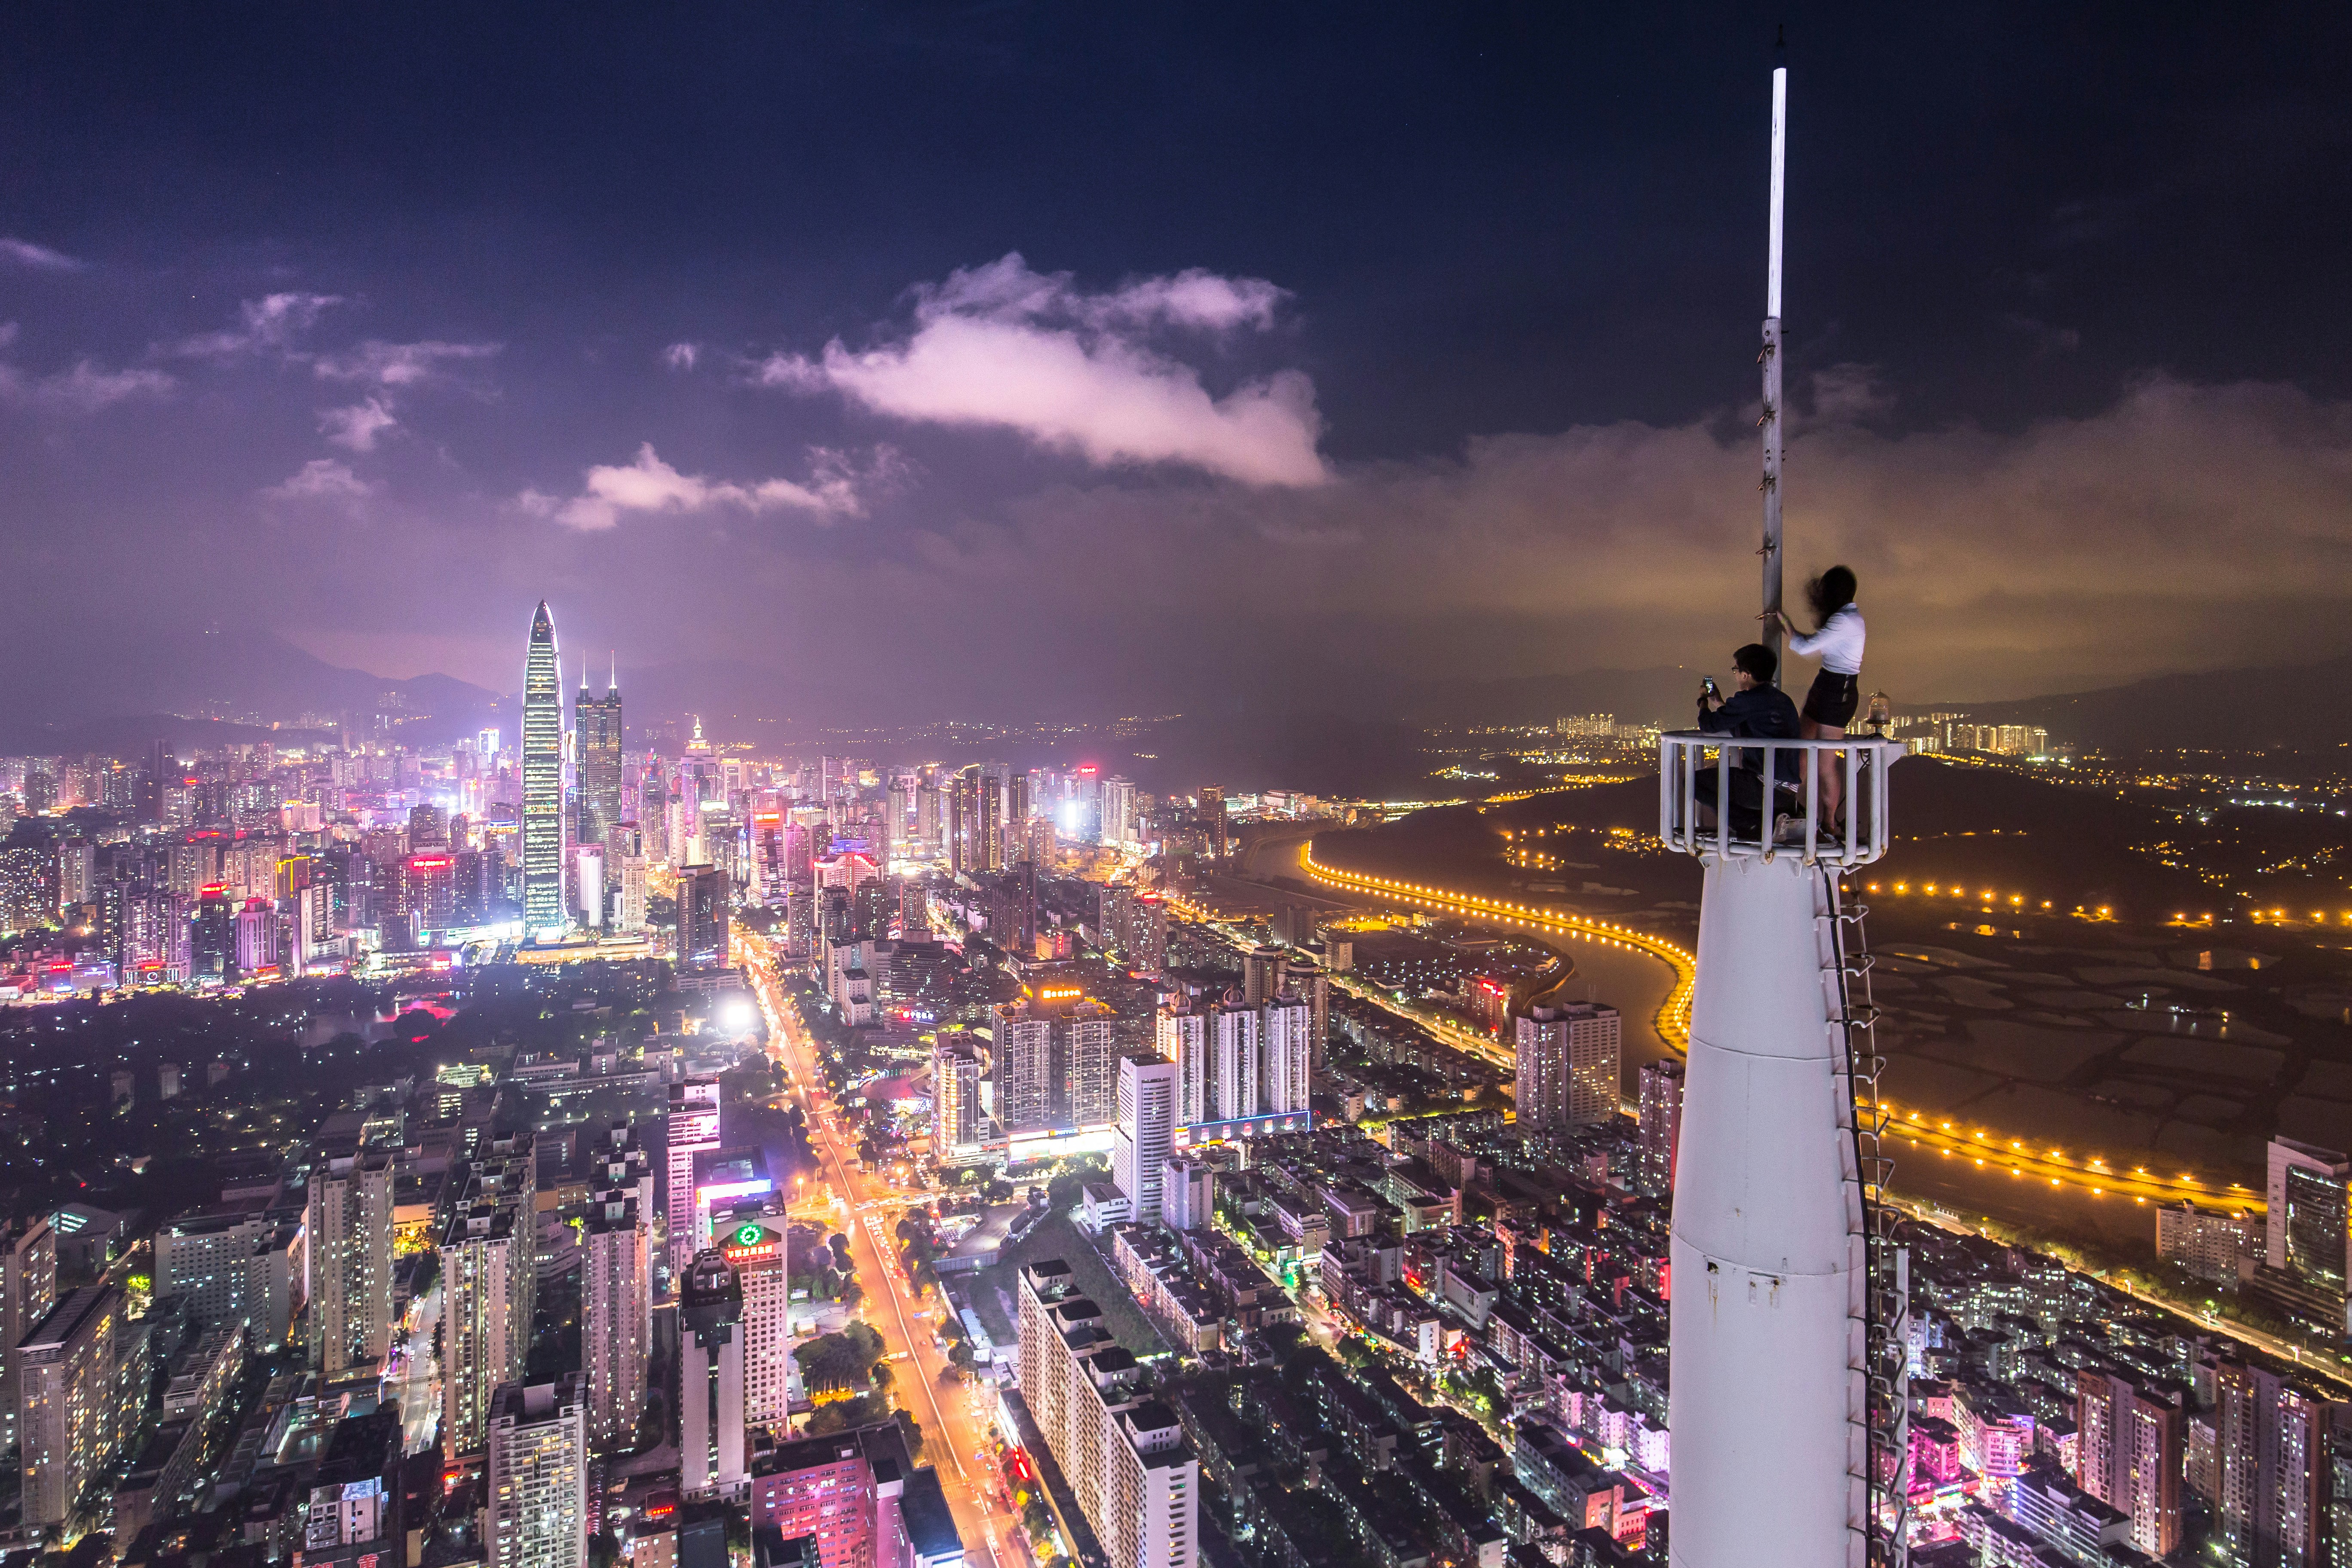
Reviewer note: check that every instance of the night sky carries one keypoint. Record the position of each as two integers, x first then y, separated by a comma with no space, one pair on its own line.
1108,359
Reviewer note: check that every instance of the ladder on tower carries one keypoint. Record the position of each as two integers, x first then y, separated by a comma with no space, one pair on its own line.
1879,1421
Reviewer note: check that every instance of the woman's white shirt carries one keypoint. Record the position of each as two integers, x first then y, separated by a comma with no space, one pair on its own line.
1838,645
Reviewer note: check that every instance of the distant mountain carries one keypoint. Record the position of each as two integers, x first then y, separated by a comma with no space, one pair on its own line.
55,691
1634,696
2305,707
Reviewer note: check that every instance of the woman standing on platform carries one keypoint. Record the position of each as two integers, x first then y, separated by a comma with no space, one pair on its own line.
1829,705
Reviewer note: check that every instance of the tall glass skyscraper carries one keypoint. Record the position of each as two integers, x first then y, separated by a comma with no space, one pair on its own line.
542,780
597,745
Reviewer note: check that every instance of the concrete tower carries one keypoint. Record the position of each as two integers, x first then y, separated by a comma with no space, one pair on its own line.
1770,1327
542,780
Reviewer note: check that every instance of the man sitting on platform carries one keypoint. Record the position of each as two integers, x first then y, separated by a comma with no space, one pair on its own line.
1756,710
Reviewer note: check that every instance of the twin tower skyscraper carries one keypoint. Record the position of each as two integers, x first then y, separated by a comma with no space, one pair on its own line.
547,828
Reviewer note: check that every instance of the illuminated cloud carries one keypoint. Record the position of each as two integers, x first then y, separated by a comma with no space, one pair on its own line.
651,486
37,257
321,478
1002,346
265,325
359,425
84,389
681,356
401,365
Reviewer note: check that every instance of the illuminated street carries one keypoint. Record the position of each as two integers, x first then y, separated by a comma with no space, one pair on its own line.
955,1417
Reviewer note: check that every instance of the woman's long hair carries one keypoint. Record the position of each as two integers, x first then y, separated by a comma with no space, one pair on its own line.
1830,591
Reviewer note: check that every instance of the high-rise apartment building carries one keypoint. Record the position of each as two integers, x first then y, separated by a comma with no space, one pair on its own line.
1567,1065
1232,1051
857,1495
542,780
1146,1133
1188,1192
1182,1033
1261,974
596,746
2207,1243
957,1120
350,1252
693,1128
1152,1502
2130,1450
68,1404
711,1380
616,1315
28,1288
488,1283
1057,1065
536,1514
1119,812
1312,982
753,1242
232,1267
1134,1476
1285,1035
702,896
1662,1124
1212,813
2271,1466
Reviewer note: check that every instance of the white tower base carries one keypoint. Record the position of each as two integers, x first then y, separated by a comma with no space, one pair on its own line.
1767,1303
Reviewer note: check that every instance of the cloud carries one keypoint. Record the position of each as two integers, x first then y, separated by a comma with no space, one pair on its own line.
652,486
400,364
39,258
1002,346
265,325
2068,553
84,389
681,356
359,425
321,478
1848,392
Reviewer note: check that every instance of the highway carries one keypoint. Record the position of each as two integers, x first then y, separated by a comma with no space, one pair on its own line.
956,1419
2024,1158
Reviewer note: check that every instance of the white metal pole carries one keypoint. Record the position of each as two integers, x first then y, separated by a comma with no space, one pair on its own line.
1770,356
1779,164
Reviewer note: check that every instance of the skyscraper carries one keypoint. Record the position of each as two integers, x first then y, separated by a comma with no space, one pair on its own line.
349,1242
66,1377
702,894
693,1130
1567,1065
538,1504
488,1279
2129,1452
617,1290
542,780
597,748
1662,1124
1146,1134
1183,1037
711,1380
956,1119
1286,1053
28,1288
2308,1231
753,1242
1232,1052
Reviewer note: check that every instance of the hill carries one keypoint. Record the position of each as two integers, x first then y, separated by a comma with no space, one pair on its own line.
2299,706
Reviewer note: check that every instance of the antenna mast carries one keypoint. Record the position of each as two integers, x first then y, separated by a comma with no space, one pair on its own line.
1770,359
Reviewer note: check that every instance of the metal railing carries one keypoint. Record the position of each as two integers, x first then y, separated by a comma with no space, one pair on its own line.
1747,819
